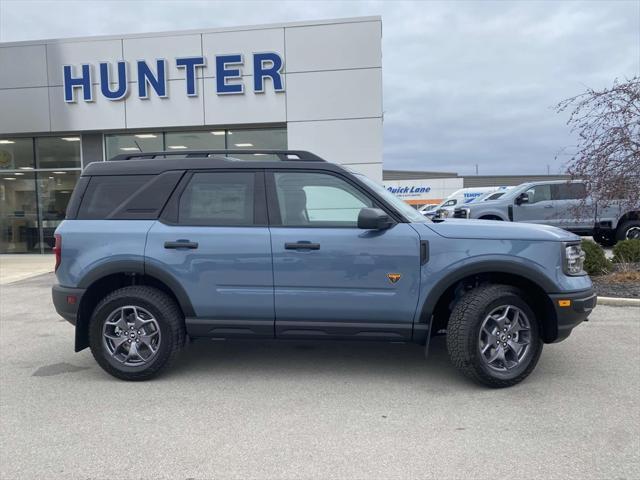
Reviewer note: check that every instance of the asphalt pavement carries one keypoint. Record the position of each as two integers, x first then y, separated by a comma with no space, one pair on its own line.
313,409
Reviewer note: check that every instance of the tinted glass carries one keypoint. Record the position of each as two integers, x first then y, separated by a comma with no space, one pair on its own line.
568,191
135,143
106,193
16,154
318,199
58,152
539,193
218,199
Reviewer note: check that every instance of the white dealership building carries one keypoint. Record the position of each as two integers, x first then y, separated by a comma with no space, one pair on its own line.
65,103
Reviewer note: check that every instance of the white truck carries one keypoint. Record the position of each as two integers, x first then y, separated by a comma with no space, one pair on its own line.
457,199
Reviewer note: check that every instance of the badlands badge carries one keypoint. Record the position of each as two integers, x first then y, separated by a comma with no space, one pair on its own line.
393,277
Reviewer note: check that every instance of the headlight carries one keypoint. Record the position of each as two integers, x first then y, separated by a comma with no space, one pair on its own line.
573,260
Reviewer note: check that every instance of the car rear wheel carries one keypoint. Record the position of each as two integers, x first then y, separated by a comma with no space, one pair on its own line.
493,336
629,230
135,332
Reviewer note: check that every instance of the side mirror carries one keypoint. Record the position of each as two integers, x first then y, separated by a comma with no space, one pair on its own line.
373,219
522,198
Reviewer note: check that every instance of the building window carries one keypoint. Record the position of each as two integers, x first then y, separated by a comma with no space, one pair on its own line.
58,152
209,140
54,191
268,138
16,154
37,176
19,232
220,139
133,143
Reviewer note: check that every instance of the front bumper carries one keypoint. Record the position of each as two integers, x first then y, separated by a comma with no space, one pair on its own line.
67,301
572,309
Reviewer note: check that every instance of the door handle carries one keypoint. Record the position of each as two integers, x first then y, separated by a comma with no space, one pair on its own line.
302,246
181,244
548,206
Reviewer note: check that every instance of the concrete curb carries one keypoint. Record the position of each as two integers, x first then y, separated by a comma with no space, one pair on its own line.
619,302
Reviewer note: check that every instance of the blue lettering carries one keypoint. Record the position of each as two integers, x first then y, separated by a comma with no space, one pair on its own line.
267,65
105,88
189,64
71,83
223,73
146,78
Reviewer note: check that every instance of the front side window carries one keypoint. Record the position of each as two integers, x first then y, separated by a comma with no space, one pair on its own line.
218,199
312,199
539,193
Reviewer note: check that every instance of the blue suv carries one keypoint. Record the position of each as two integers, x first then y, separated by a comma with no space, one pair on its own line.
159,247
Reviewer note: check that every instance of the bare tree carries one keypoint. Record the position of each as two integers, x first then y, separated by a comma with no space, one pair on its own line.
607,157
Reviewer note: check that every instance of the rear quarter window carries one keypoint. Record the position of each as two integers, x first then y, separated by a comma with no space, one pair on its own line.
105,194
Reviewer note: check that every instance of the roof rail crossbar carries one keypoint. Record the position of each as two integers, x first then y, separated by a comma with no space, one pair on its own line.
283,155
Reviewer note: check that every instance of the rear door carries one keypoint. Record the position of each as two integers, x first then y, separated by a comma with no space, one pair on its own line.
332,279
213,242
574,210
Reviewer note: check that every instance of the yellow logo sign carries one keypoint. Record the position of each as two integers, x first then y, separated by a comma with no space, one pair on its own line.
393,277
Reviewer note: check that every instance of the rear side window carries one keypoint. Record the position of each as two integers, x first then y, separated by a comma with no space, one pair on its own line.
568,191
106,193
218,199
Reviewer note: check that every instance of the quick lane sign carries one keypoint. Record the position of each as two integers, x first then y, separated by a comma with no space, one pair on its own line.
152,79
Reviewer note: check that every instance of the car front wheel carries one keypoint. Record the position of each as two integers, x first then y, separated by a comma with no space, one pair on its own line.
135,332
493,336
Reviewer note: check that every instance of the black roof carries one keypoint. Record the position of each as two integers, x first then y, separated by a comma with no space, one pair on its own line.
153,163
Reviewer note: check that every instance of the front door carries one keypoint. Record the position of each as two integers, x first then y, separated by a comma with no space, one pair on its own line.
213,243
539,209
331,279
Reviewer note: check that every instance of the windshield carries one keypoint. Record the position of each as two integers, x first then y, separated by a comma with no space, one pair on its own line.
407,210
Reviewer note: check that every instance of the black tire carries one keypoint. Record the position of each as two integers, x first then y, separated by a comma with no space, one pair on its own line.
630,227
165,312
463,335
605,239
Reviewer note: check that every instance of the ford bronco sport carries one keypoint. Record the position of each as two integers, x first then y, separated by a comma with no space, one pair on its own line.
159,247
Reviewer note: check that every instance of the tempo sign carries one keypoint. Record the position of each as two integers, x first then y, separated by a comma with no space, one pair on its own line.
228,77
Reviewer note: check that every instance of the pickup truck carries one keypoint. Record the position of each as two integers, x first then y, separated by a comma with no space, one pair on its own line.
558,203
160,247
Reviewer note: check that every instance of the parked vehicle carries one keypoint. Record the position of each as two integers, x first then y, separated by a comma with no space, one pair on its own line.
491,195
562,204
156,248
457,198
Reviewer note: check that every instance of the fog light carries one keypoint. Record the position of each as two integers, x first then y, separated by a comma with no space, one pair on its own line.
564,303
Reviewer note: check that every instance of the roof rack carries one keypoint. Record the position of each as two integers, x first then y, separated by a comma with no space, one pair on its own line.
283,155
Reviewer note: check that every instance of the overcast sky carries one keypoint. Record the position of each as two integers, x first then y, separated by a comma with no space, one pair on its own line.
465,83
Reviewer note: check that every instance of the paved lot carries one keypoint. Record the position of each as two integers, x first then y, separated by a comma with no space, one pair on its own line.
313,410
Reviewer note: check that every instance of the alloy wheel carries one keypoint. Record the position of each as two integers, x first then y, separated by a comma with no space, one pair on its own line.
131,335
505,338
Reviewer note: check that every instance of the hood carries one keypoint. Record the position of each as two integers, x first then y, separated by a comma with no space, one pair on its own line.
497,230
